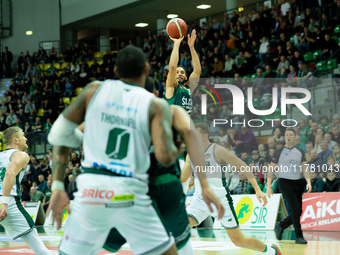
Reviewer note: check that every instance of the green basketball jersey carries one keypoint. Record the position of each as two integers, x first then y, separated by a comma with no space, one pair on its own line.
181,97
5,159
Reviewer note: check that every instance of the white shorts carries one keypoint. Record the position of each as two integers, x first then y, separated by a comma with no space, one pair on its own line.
199,210
104,202
18,222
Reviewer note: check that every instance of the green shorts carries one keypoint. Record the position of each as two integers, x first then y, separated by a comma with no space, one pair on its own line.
169,201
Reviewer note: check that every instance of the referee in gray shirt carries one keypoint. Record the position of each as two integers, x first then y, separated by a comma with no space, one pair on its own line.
288,162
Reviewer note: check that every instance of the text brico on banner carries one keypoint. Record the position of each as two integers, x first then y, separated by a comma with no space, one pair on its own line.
321,211
252,215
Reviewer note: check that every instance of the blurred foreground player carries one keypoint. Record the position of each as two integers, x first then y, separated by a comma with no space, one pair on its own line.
165,187
13,216
218,156
112,191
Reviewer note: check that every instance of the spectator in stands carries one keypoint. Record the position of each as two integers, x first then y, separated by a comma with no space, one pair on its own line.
298,143
330,142
42,183
278,135
72,187
52,55
309,147
324,123
336,154
29,106
242,187
335,134
222,136
7,58
284,63
263,47
262,150
36,195
313,132
41,56
318,140
318,184
245,157
325,152
247,141
315,161
332,184
258,84
336,120
328,47
11,118
66,180
48,193
68,88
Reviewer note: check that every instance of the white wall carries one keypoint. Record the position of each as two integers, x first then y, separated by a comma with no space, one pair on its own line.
40,16
75,10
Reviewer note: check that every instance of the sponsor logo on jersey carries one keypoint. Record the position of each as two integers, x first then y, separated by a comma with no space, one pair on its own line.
95,193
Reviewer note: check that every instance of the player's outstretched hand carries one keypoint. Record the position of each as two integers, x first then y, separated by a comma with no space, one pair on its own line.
178,41
192,38
59,200
269,192
261,197
3,211
309,187
209,197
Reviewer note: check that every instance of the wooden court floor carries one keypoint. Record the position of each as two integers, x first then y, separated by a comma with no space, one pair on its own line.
204,242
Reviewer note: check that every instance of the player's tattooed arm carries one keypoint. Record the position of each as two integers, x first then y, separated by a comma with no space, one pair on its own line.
161,132
59,162
75,112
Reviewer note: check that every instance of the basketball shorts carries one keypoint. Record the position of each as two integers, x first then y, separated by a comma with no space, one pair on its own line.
104,202
199,210
18,222
168,199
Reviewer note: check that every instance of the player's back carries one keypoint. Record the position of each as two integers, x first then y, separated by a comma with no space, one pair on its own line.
117,130
5,159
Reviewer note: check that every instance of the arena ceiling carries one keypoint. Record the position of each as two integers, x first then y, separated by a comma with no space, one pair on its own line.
125,17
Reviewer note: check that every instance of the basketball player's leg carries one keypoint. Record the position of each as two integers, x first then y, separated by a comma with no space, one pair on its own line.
36,244
197,211
170,201
19,224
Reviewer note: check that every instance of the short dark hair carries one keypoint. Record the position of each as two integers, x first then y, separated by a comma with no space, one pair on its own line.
130,62
290,129
150,84
204,127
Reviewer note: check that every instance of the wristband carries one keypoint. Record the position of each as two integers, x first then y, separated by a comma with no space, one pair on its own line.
5,200
58,185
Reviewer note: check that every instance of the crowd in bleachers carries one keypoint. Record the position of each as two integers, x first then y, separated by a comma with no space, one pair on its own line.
284,42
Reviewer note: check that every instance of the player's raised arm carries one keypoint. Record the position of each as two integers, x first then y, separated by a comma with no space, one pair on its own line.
171,80
19,161
223,155
195,75
161,132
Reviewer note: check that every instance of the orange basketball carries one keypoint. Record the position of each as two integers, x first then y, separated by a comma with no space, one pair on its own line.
176,28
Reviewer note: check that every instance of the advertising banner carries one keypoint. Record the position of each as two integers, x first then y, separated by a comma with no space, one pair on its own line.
321,211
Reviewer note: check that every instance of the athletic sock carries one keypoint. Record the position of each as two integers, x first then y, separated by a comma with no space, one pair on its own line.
33,240
269,250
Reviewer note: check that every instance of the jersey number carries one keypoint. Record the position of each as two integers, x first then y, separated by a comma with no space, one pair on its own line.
117,144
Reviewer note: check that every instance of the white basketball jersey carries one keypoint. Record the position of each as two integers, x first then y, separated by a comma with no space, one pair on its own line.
216,178
5,159
117,130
